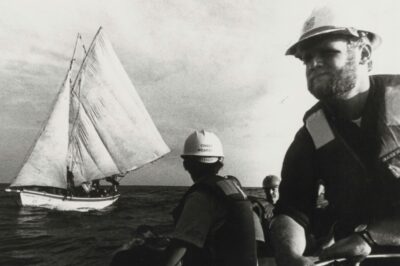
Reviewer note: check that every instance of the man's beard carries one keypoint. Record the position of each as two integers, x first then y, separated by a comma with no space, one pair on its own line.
337,83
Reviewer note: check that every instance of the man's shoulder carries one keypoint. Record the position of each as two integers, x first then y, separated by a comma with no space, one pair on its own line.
220,187
201,202
201,192
312,110
204,191
302,136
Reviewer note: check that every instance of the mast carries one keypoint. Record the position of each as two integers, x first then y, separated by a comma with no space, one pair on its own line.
113,132
100,125
86,56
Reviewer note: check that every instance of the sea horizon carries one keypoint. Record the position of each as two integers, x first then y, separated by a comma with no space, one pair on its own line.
143,185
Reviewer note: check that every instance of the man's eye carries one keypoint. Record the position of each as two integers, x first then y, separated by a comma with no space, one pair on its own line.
329,53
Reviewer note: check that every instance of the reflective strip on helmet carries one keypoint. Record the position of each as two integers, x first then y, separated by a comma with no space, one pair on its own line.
319,129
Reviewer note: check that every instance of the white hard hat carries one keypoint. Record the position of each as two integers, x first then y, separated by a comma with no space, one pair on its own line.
203,145
336,18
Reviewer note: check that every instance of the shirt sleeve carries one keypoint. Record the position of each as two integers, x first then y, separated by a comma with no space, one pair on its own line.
297,193
197,219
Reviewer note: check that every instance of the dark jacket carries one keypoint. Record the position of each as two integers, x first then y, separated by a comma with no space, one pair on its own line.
234,242
358,164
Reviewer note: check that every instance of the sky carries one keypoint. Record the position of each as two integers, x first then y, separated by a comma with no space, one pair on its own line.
217,65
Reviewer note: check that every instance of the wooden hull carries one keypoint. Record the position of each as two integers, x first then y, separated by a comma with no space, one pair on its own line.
65,203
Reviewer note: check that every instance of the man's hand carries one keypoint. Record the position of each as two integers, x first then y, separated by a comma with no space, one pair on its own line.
353,246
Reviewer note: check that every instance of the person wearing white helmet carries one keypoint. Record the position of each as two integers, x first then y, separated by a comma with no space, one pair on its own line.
350,140
213,221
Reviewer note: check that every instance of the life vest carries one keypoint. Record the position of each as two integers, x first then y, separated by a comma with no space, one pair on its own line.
358,190
258,206
234,242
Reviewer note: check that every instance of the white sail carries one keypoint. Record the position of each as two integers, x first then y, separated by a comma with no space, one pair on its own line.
112,131
99,128
46,164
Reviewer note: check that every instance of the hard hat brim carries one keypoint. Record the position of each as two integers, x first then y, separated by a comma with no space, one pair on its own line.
374,38
317,32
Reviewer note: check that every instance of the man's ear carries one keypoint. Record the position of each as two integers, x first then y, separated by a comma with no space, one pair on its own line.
365,54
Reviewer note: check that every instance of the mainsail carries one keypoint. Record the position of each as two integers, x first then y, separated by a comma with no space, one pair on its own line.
99,128
113,132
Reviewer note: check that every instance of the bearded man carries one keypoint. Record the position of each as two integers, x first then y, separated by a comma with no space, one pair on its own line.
350,140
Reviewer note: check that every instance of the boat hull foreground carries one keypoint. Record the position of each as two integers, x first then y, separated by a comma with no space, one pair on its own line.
65,203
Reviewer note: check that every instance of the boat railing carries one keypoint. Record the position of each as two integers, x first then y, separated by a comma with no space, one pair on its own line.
372,257
376,259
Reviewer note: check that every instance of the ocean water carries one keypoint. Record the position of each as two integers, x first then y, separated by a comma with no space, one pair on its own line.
35,236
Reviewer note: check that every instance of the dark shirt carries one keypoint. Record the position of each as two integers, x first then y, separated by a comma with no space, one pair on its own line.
215,221
302,170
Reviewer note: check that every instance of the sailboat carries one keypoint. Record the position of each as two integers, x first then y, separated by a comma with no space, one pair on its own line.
98,128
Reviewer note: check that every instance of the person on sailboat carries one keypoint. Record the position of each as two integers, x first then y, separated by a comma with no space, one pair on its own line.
213,221
113,180
70,182
85,133
96,190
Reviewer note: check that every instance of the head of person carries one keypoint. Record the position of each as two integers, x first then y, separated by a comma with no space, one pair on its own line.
336,45
271,188
202,154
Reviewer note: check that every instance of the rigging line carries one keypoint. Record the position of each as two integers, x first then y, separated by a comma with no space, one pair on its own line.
74,51
77,94
73,93
79,77
86,57
83,44
78,37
